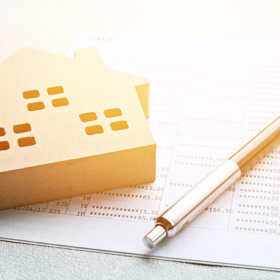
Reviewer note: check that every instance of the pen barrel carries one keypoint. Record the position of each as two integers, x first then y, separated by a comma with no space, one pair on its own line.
258,146
199,197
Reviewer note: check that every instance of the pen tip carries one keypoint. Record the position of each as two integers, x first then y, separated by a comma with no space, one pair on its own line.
154,236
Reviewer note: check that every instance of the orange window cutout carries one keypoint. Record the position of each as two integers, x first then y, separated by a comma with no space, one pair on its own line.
26,141
59,102
88,117
2,131
119,125
111,113
35,106
21,128
4,145
95,129
55,90
31,94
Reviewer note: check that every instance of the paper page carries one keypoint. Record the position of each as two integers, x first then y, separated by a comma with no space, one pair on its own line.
208,97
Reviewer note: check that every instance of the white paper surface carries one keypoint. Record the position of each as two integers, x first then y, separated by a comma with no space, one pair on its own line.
208,97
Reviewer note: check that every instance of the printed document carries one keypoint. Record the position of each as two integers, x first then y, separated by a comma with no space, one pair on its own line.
208,97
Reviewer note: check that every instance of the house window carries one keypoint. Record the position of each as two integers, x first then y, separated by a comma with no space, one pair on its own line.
26,141
95,129
119,125
111,113
4,145
60,102
88,117
55,90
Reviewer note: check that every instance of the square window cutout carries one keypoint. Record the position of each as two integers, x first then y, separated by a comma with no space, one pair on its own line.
119,125
95,129
111,113
31,94
2,131
88,117
26,141
35,106
4,145
21,128
55,90
59,102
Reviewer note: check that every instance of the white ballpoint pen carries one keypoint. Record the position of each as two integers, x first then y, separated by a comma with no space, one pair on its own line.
206,191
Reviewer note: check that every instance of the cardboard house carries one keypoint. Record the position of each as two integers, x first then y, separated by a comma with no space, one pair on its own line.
70,126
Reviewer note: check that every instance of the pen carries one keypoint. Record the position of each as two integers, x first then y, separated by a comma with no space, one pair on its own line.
206,191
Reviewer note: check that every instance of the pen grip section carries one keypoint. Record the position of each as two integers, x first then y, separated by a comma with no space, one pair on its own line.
199,197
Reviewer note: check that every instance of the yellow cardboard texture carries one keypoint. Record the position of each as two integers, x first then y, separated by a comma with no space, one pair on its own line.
70,127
